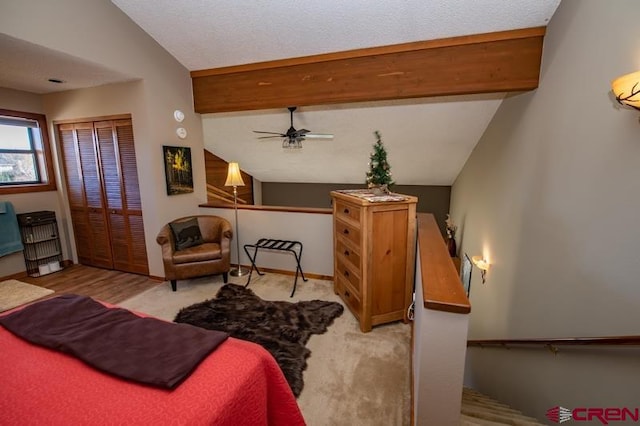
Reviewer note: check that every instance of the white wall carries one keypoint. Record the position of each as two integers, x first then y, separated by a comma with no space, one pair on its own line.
97,31
439,344
550,196
33,201
313,230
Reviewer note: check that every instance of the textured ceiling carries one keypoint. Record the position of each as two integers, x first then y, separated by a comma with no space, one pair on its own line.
31,66
428,140
208,34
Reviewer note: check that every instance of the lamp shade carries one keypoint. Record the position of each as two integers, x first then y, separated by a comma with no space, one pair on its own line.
627,89
234,178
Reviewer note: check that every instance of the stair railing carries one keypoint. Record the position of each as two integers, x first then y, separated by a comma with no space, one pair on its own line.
553,343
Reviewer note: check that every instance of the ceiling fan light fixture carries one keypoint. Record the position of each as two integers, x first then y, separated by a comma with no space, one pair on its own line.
293,138
291,144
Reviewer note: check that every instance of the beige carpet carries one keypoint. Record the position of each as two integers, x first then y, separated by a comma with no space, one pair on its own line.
352,378
15,293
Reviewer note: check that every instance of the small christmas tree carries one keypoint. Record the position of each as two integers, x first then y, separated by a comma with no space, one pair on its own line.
379,173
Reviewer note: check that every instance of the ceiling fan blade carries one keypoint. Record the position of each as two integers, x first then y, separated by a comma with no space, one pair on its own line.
318,136
270,133
269,137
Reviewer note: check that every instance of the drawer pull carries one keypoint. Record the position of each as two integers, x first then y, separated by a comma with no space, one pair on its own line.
345,232
346,293
346,273
346,252
346,211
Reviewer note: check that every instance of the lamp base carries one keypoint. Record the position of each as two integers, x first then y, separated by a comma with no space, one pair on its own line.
239,271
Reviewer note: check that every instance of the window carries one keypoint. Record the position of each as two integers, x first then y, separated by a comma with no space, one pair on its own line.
25,159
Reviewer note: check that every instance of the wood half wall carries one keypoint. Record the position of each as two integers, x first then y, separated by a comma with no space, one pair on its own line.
216,171
505,61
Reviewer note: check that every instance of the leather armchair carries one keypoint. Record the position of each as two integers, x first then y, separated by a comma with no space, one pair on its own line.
211,257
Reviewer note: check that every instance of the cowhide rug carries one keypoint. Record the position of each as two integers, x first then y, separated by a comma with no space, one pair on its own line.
282,328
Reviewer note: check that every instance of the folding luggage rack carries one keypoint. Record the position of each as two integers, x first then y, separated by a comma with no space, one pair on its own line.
276,245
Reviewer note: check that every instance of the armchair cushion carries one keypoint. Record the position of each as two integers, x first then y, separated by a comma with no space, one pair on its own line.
186,233
201,253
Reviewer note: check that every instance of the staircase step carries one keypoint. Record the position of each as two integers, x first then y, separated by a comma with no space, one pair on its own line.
483,401
479,409
505,418
491,408
466,420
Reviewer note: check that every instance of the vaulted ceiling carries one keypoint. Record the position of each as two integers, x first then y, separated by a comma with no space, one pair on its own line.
205,34
428,139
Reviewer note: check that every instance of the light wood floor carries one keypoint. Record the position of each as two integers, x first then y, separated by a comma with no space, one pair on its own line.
102,284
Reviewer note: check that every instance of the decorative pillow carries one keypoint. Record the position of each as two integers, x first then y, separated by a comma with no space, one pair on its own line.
186,234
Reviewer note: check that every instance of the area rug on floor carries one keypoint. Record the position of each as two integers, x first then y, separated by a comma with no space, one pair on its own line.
15,293
282,328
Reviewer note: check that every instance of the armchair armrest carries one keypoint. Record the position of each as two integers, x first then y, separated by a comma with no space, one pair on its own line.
165,239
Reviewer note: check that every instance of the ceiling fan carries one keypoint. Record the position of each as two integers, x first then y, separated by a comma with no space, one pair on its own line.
293,138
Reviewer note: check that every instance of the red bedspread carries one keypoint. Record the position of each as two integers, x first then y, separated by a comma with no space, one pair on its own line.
238,384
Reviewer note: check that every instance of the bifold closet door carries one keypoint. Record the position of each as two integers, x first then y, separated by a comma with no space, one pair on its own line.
104,197
84,188
122,195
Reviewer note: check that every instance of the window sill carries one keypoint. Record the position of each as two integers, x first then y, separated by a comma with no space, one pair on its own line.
21,189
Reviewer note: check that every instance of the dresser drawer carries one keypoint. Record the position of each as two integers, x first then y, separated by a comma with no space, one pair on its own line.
348,211
348,232
351,299
349,274
350,256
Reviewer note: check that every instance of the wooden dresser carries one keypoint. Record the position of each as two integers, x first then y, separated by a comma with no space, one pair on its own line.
374,255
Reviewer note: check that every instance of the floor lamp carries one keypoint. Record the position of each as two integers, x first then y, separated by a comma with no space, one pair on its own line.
234,178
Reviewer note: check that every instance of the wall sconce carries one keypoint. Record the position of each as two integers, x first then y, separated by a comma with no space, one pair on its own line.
482,264
626,88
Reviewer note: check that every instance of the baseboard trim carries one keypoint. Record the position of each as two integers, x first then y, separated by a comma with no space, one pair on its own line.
292,273
23,274
15,276
271,270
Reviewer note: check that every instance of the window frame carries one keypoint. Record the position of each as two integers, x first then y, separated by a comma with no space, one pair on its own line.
43,156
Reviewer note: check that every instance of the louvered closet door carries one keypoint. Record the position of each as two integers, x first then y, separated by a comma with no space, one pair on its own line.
86,201
104,199
122,195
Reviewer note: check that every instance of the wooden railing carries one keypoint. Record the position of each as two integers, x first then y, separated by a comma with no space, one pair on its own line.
218,205
441,285
552,343
213,192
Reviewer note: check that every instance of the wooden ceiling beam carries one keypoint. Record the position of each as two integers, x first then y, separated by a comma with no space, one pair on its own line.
504,61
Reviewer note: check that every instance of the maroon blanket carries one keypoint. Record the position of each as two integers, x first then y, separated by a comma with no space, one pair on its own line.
114,340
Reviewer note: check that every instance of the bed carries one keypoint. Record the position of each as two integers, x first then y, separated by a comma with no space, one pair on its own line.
239,383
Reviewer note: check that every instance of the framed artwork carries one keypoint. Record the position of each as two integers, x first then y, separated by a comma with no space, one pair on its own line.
465,273
177,169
